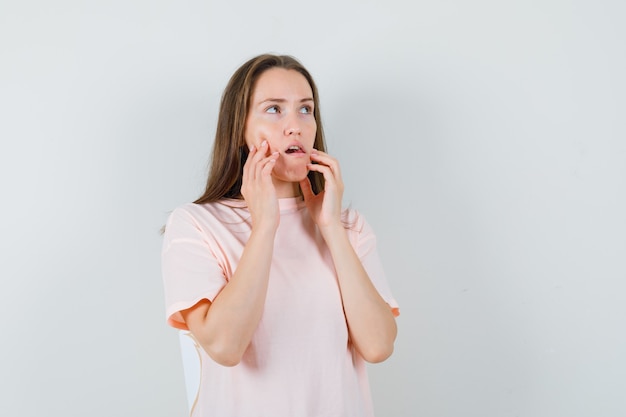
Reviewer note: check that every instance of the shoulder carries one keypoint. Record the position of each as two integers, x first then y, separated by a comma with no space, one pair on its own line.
205,211
206,218
182,221
189,213
192,216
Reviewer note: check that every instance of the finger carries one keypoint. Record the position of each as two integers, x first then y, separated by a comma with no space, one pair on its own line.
259,151
331,182
264,148
268,164
325,159
307,190
325,170
265,166
255,156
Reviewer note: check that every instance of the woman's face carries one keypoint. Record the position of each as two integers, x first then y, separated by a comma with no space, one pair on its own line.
281,112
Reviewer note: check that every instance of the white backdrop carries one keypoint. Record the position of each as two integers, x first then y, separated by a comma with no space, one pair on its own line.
485,141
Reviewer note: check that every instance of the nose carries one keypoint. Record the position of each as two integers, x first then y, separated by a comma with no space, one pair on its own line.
292,130
292,125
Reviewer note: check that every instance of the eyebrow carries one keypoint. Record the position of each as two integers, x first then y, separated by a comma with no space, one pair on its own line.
282,100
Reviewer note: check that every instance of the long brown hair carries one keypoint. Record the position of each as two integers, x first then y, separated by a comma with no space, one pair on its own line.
229,149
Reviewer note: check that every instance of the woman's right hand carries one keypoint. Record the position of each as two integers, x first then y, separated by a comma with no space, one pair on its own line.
225,326
258,189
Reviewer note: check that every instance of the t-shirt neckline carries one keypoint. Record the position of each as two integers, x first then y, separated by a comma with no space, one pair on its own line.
284,204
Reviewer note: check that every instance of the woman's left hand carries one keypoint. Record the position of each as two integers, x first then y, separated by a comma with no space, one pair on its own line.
325,207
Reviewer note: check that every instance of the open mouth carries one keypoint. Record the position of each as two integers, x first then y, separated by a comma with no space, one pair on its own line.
293,149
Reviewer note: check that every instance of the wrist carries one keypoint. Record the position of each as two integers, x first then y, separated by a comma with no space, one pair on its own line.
333,231
264,228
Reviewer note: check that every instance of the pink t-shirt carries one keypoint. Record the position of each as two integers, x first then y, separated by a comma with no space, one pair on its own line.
300,362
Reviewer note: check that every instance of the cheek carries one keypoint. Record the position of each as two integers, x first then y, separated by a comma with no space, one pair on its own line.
249,142
311,131
251,135
248,133
257,131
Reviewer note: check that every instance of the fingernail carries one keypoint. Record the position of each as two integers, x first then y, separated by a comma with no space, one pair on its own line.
264,143
251,148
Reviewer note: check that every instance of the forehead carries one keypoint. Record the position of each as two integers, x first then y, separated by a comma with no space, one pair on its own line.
281,83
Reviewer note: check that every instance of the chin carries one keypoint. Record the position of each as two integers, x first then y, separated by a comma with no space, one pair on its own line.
292,177
292,173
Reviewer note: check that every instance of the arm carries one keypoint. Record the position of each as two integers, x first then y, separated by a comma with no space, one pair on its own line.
224,328
371,324
370,321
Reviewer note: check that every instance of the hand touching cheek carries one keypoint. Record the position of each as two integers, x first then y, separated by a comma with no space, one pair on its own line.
325,207
258,189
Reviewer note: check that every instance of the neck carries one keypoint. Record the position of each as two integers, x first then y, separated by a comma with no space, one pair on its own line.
287,189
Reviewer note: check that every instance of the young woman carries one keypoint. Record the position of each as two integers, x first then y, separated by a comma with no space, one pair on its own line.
281,288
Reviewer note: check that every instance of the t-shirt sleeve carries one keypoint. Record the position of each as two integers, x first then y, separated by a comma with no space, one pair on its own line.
191,271
368,253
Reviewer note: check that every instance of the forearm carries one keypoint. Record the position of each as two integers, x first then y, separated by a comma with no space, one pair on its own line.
225,328
370,321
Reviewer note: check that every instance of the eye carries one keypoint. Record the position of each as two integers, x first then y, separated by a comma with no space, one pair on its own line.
272,109
306,110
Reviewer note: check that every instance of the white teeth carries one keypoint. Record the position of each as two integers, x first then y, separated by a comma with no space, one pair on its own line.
292,149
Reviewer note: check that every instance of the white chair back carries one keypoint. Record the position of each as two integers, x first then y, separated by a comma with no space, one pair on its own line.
192,366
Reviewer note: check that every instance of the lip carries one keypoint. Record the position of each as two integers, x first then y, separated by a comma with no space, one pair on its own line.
299,154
